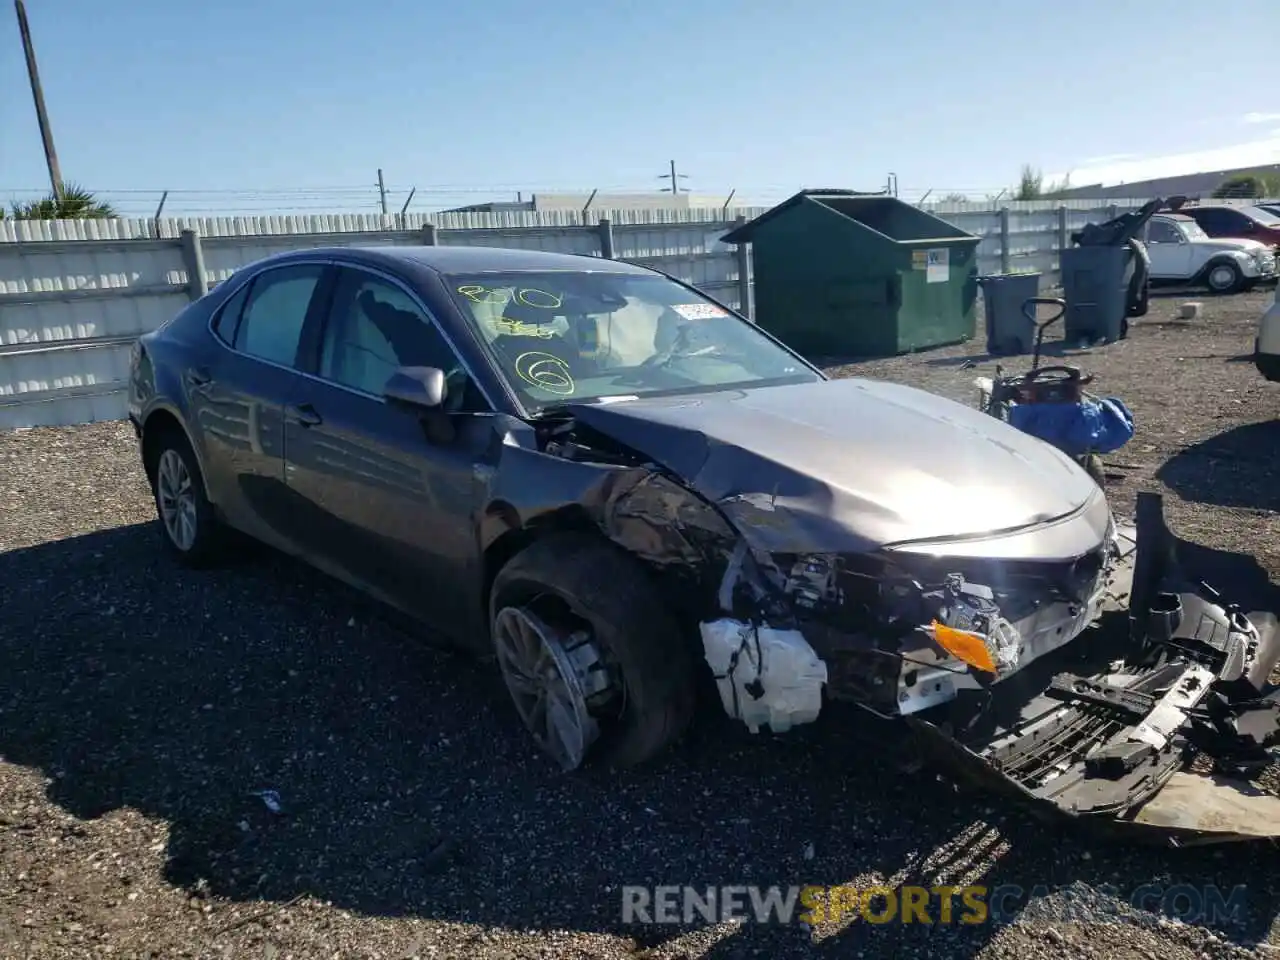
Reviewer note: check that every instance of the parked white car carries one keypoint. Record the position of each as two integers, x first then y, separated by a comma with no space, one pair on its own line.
1181,252
1266,350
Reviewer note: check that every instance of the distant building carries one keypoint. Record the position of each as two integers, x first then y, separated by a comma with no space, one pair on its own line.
1189,185
601,201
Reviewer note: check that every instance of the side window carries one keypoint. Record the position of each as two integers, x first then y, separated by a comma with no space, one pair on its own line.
1161,231
376,327
1215,221
1205,219
271,327
224,324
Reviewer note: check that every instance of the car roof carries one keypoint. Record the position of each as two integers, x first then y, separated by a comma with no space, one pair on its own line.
468,259
1171,216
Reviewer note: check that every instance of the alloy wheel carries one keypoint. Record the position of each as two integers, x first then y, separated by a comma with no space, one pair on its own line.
176,498
554,675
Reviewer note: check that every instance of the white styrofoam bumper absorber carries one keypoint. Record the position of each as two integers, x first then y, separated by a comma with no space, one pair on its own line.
765,676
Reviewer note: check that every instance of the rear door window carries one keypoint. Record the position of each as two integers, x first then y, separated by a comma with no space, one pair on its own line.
276,311
228,318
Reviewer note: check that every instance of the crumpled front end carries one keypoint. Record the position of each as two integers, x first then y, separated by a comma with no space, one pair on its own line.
1066,662
902,631
1100,686
1161,724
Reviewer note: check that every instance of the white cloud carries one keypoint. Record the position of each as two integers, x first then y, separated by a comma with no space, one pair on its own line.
1260,117
1249,154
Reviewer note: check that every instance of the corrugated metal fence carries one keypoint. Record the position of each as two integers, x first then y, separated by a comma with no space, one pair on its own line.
75,294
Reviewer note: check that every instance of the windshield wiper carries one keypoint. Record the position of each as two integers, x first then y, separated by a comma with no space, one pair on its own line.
560,410
563,409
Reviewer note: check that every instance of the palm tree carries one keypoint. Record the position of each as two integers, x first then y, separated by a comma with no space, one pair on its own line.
77,203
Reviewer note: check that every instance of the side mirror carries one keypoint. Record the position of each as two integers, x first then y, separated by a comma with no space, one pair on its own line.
422,388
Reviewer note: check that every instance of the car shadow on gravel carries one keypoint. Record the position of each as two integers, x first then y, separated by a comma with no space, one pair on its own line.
404,788
1235,468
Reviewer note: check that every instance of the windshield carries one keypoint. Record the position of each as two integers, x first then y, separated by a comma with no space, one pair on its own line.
569,337
1265,217
1192,230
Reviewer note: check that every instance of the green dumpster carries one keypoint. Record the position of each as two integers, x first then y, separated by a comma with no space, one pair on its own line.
843,274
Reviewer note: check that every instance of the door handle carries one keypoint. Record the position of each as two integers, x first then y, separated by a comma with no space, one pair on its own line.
304,414
198,376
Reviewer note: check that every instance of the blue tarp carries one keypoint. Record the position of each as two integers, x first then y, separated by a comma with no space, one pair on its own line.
1097,425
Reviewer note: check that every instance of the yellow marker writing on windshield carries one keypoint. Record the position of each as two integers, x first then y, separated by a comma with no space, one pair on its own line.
545,371
526,296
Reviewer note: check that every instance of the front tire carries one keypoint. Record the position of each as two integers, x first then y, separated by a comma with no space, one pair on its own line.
189,527
595,663
1223,278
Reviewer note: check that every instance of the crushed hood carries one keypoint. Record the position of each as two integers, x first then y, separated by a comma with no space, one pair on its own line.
849,464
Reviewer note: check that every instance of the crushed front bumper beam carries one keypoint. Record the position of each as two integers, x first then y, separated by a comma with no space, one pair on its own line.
1156,723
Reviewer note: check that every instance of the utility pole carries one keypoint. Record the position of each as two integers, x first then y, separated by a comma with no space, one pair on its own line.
674,178
37,94
382,191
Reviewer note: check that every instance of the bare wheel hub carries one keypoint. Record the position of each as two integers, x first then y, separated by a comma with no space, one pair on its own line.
555,676
176,495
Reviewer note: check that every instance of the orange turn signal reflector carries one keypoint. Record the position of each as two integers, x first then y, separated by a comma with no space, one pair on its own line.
962,645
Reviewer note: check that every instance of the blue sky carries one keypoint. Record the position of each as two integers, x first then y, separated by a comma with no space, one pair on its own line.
293,105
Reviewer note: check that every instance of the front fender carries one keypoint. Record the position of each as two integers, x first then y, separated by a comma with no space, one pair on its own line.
1248,266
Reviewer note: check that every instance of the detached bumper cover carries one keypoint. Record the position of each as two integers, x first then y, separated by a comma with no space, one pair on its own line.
1155,723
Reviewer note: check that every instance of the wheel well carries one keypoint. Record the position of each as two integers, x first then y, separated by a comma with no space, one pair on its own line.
499,553
158,425
574,519
1218,261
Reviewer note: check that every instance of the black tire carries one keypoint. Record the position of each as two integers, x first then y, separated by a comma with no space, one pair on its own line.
1222,286
1139,301
616,596
209,544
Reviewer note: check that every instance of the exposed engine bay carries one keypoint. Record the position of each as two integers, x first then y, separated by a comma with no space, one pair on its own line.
1092,677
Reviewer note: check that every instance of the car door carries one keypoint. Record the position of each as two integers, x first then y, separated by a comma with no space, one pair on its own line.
1169,250
389,493
238,399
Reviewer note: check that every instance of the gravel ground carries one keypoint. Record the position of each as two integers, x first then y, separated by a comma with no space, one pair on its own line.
142,710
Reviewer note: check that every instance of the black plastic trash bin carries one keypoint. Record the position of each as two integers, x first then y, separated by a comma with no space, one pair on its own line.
1009,330
1095,284
1106,275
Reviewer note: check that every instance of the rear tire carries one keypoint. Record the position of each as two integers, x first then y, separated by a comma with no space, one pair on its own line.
581,586
189,527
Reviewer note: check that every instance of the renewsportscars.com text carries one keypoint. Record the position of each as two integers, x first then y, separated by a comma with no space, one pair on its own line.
815,904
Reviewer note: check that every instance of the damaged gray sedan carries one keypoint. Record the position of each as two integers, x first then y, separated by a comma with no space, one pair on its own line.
620,489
